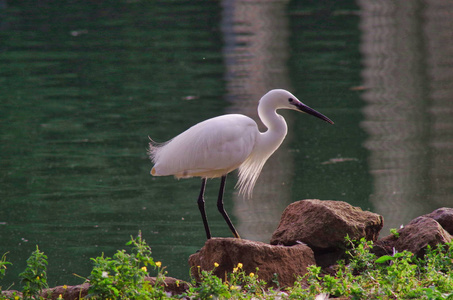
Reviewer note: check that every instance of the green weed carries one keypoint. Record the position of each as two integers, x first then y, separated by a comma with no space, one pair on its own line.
361,275
3,267
123,275
34,278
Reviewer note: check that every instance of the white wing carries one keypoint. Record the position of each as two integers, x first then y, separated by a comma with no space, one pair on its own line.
209,149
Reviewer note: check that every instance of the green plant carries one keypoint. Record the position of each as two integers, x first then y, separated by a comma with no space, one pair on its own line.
237,285
34,278
361,276
314,279
3,264
359,255
394,232
399,273
210,286
437,265
123,276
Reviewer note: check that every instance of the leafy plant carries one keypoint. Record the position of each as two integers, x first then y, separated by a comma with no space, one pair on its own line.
401,275
360,257
238,285
123,276
210,286
361,276
394,232
3,264
34,278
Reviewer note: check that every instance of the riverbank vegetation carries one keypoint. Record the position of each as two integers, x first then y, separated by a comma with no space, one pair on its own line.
362,275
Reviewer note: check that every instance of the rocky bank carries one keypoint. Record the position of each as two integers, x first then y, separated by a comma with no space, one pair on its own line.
310,232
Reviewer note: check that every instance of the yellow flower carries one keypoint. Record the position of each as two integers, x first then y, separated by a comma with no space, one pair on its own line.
216,265
252,274
144,269
177,283
239,266
235,270
60,296
65,286
158,264
37,277
16,298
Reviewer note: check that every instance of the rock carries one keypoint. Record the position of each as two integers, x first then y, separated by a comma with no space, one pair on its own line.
171,285
287,262
384,246
414,237
67,292
329,257
443,216
324,224
10,294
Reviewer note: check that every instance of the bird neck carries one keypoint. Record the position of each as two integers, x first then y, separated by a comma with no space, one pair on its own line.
275,123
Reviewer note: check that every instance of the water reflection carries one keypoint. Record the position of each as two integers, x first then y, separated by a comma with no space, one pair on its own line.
256,52
408,53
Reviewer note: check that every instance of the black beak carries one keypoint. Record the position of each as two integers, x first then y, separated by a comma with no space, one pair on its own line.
311,111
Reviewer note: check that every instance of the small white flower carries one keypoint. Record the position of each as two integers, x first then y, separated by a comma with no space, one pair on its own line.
105,274
323,296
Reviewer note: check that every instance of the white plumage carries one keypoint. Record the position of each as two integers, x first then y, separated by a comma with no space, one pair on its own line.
208,149
217,146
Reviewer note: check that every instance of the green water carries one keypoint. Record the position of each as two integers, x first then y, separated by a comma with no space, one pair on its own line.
83,85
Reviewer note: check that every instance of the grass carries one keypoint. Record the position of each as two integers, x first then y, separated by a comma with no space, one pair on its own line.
361,276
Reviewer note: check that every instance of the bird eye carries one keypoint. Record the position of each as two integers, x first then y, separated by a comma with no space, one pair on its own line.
290,100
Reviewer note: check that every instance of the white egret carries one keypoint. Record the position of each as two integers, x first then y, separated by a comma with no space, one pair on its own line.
217,146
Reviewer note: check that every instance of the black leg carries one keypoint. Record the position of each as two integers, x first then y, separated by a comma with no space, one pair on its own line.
222,210
201,208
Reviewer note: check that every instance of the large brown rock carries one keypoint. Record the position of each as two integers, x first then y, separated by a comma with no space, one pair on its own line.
287,262
443,216
324,224
414,237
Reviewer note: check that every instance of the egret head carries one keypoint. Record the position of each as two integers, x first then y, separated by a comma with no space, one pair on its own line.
282,99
